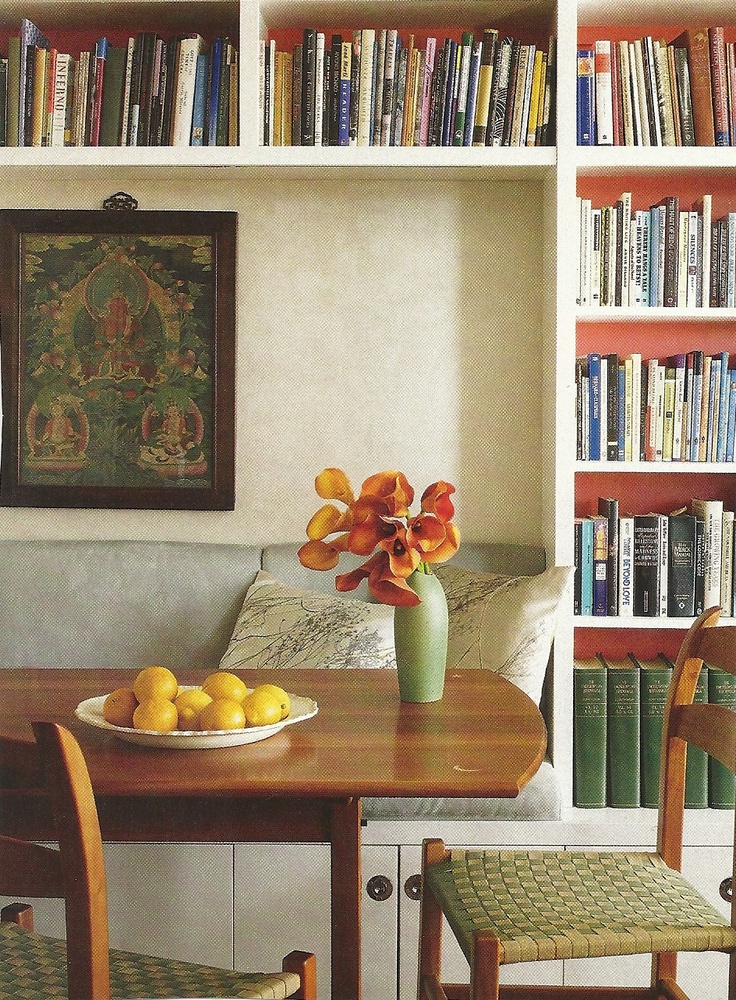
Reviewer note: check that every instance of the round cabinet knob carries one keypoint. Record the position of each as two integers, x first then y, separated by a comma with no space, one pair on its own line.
413,886
726,889
379,887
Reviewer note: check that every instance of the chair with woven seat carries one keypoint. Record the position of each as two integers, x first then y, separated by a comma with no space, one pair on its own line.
524,906
84,968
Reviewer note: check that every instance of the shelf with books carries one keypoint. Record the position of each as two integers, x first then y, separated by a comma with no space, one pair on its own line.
396,82
659,85
102,81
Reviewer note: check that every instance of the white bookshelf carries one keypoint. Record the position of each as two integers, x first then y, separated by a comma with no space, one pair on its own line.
257,181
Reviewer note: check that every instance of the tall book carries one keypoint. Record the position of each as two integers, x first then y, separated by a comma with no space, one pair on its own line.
681,562
603,94
654,681
624,726
586,97
608,507
365,86
589,733
31,38
600,564
485,83
647,564
309,80
696,43
186,74
721,691
710,513
626,566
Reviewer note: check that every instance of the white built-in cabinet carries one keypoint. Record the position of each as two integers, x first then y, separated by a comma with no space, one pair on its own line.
505,225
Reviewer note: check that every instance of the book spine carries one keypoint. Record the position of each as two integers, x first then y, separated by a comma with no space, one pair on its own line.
626,567
654,677
721,691
623,734
343,135
589,734
646,565
485,83
608,507
586,97
697,45
719,81
681,578
600,565
603,94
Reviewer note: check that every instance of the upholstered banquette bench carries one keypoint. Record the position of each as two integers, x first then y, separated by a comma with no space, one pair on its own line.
132,603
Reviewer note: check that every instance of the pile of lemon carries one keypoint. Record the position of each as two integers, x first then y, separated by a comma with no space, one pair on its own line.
157,703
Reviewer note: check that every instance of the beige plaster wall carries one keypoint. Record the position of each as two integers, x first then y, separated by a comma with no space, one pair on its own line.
380,322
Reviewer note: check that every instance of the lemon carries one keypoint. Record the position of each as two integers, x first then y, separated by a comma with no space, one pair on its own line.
119,707
277,692
188,705
223,684
262,707
155,682
222,713
158,715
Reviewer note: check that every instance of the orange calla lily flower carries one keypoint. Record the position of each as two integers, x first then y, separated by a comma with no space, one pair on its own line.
436,500
378,524
333,484
327,520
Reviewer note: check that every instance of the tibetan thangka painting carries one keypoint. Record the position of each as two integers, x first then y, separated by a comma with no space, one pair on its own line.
118,359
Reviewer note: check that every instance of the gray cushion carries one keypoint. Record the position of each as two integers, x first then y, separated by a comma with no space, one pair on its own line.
120,603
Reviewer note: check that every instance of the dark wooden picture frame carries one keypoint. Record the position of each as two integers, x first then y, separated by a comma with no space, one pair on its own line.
118,359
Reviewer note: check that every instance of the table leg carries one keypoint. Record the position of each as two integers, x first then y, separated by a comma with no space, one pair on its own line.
347,890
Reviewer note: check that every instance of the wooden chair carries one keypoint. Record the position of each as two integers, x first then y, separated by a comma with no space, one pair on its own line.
84,968
521,906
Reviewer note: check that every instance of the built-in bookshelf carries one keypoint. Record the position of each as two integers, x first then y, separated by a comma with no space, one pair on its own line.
291,186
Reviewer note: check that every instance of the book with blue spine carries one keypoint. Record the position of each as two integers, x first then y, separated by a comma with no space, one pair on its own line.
346,55
214,90
200,99
594,374
586,97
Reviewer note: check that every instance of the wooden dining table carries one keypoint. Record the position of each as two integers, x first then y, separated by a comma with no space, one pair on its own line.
484,738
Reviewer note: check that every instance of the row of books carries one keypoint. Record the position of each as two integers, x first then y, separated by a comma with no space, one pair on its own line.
664,255
679,409
654,564
648,92
618,709
151,91
377,88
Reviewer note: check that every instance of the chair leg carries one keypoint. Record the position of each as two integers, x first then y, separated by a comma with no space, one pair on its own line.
430,921
305,965
484,974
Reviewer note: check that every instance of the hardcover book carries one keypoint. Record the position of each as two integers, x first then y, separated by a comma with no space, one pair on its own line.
695,42
624,728
589,733
681,577
654,678
646,564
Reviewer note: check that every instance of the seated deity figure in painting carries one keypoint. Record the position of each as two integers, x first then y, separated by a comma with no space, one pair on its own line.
57,431
173,432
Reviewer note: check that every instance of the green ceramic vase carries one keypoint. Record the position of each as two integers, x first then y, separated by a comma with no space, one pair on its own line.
420,638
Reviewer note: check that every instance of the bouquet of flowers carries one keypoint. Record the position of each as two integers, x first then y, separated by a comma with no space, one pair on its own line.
378,523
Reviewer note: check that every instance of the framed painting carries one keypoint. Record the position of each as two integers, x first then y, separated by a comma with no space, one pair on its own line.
118,359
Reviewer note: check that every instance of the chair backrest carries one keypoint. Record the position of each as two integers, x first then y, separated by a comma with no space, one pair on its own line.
711,727
74,872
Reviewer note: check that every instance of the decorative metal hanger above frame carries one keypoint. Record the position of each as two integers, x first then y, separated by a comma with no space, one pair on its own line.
118,358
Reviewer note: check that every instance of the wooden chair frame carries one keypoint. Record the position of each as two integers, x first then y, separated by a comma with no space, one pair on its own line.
710,727
76,870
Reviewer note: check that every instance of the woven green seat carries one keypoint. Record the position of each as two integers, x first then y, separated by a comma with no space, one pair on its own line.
509,906
574,904
33,967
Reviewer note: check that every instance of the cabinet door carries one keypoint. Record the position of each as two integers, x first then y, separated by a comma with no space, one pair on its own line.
282,901
454,965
